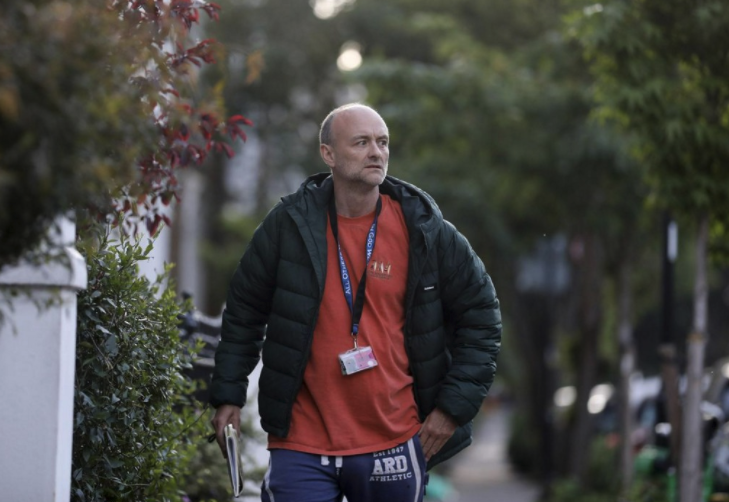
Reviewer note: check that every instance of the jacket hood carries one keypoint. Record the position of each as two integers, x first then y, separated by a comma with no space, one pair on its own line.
419,208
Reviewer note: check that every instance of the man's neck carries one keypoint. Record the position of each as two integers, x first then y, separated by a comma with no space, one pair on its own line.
354,203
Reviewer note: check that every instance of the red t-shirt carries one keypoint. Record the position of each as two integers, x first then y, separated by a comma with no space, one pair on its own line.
374,409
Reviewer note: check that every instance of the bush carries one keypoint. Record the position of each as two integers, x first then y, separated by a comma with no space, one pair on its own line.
602,483
602,470
641,491
134,424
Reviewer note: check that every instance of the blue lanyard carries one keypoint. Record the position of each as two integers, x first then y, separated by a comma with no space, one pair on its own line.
356,304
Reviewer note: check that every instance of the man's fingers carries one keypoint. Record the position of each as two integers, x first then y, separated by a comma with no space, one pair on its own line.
219,436
432,447
426,441
432,441
223,447
223,416
436,430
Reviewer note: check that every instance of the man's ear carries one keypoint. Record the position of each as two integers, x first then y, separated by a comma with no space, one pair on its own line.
327,154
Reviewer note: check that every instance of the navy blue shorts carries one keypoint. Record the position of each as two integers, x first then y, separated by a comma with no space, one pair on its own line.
393,475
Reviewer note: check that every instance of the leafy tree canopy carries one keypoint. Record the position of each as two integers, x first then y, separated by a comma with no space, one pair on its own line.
662,70
93,113
496,116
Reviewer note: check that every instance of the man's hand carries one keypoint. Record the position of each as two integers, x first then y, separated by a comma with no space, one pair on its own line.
224,415
437,428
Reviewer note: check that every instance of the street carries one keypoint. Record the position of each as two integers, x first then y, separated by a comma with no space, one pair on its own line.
481,473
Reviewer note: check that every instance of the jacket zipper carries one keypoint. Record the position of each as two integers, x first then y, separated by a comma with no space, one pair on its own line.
408,321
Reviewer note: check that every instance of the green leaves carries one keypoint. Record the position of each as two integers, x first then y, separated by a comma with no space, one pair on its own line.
134,423
96,112
62,140
498,118
661,67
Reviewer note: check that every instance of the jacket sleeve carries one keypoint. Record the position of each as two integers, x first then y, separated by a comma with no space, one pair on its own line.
247,308
472,310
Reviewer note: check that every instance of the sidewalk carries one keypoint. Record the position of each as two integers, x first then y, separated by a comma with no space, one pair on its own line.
481,473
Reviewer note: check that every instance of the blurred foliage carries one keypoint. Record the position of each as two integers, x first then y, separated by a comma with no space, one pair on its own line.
221,259
522,444
208,478
277,63
494,121
95,113
661,71
644,491
134,426
71,126
601,483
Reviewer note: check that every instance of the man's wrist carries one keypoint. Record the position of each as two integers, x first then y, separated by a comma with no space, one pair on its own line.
447,415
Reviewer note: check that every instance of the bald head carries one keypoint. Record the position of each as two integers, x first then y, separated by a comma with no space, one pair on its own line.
355,144
326,134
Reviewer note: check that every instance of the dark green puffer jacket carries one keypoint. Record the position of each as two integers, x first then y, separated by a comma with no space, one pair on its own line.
452,328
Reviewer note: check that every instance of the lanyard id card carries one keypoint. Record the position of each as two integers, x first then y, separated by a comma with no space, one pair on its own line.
359,358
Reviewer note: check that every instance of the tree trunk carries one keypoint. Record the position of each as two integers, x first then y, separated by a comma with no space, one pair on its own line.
589,330
627,367
692,442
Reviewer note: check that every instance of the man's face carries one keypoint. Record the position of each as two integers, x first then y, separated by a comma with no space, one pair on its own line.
360,150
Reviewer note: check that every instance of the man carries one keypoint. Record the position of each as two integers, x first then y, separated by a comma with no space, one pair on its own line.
381,326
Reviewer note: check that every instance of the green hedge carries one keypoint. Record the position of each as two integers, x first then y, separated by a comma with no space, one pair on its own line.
135,427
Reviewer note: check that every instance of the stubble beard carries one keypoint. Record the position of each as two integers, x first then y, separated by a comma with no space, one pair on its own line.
367,178
378,176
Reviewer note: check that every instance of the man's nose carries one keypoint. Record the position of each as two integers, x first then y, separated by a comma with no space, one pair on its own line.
375,151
